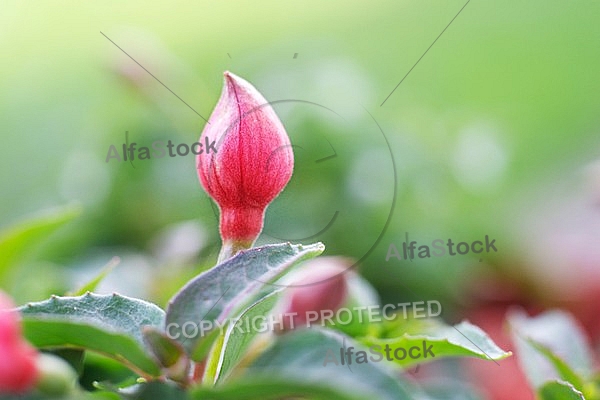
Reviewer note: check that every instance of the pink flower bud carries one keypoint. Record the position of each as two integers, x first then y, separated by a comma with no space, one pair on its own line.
322,288
252,164
18,371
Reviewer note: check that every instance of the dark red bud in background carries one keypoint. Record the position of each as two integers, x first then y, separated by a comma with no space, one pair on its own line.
324,286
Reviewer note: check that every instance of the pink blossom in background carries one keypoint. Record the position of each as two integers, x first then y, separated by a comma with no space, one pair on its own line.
18,371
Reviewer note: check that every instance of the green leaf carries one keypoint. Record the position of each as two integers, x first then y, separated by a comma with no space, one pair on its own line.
169,353
302,357
76,395
463,339
551,347
401,324
146,391
270,388
91,285
18,240
213,359
239,336
559,390
107,324
217,294
166,350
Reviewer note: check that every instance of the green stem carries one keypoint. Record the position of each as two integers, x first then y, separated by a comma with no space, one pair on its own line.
231,247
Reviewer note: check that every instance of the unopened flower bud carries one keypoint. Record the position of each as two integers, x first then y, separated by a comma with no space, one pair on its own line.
251,166
18,371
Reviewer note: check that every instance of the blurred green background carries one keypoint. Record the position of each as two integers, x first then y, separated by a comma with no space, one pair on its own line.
491,133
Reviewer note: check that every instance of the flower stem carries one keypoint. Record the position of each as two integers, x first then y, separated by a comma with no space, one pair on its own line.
231,247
